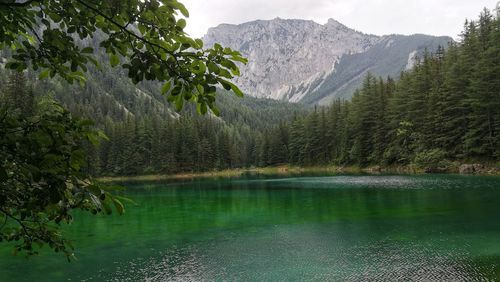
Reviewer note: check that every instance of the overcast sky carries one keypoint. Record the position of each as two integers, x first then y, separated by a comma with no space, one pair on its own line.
380,17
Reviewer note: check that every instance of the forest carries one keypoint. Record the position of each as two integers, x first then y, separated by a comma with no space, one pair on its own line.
444,110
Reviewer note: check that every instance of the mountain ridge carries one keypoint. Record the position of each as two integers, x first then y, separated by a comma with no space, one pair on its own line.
290,59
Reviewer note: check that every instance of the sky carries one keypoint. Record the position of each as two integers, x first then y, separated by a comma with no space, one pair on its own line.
380,17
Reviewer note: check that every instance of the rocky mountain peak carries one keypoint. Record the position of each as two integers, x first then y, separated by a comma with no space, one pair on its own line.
332,23
290,58
284,53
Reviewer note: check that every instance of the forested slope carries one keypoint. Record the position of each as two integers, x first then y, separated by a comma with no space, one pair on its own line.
146,135
447,108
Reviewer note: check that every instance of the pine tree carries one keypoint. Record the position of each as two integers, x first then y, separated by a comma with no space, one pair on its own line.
18,96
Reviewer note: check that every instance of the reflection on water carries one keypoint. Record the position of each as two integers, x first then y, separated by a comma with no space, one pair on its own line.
284,261
348,228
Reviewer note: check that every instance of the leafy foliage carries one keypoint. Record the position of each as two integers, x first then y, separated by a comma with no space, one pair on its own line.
145,37
41,176
44,150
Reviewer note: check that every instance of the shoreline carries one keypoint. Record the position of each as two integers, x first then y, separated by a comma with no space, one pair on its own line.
287,169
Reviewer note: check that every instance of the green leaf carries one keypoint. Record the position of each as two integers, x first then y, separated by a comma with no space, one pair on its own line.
119,206
102,135
199,42
201,108
229,64
166,87
106,207
228,85
177,89
12,65
236,71
44,74
215,110
88,50
212,67
181,8
240,59
124,199
142,28
114,60
79,76
179,103
181,23
93,138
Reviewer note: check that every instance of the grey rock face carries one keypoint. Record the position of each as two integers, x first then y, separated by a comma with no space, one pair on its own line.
292,59
284,54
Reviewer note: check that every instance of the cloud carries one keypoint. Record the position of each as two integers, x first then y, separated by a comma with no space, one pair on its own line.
435,17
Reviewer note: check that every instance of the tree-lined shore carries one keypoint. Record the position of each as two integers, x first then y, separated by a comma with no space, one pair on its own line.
442,113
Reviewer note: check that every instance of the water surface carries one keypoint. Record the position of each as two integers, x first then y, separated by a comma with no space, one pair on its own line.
329,228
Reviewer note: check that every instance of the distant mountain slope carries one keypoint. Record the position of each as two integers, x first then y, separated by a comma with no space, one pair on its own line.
110,96
391,55
302,61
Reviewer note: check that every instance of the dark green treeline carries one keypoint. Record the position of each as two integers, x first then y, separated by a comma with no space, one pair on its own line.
446,108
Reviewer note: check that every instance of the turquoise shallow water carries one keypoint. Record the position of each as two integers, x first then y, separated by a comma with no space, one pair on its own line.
300,228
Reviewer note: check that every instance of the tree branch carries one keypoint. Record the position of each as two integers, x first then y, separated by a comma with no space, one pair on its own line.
124,28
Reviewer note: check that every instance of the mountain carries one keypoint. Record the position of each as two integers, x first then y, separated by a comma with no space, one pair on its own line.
391,55
303,61
110,96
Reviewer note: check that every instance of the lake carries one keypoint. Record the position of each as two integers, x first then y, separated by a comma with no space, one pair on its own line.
286,228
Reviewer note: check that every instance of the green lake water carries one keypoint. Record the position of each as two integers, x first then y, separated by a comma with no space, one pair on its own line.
286,228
